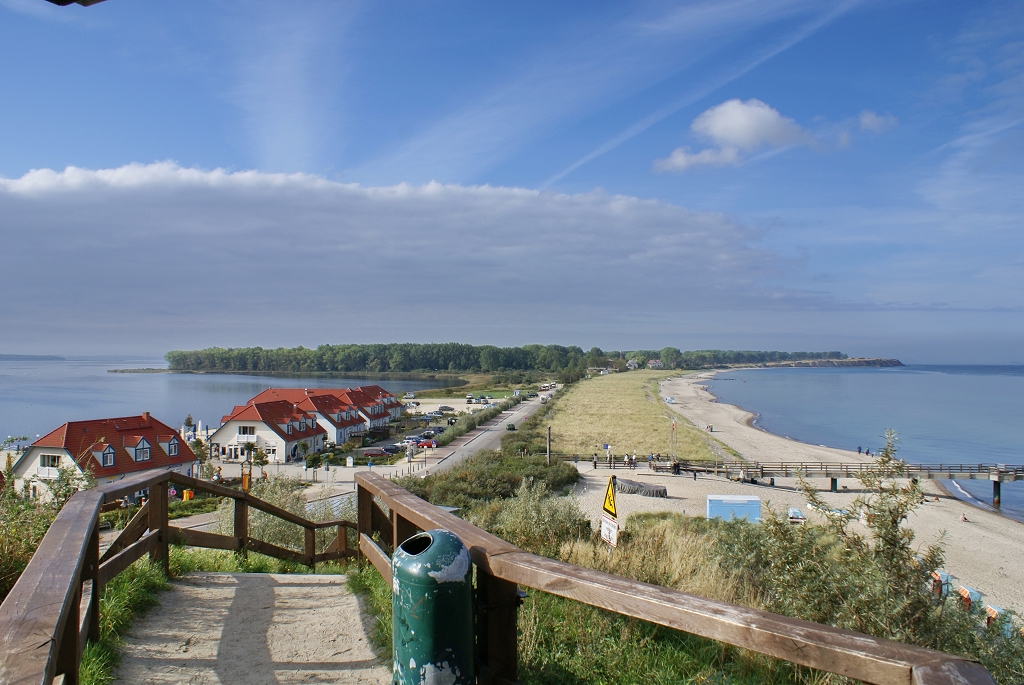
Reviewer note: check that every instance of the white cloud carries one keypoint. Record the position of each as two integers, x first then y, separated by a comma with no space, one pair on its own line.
681,158
870,121
748,125
136,252
736,126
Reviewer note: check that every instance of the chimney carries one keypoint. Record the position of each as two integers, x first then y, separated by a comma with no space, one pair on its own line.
145,418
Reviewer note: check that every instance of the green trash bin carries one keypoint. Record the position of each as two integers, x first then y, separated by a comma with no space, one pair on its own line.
432,602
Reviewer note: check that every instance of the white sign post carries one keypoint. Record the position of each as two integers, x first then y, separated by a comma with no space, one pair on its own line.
609,530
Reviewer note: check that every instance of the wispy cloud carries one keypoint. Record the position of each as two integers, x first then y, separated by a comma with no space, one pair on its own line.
706,86
589,72
286,64
870,121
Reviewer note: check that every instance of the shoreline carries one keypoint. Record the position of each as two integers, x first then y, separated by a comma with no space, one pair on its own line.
986,552
963,496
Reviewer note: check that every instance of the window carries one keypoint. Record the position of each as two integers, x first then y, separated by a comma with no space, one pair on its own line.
302,424
247,430
312,422
142,452
49,460
108,456
172,447
288,428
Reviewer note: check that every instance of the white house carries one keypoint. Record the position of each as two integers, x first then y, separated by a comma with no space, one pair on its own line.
278,428
109,448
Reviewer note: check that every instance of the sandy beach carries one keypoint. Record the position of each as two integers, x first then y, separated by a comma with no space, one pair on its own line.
985,553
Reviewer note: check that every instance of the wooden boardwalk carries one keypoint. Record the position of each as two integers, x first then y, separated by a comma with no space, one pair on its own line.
253,629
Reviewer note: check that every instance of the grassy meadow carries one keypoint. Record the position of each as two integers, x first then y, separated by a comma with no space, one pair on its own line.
623,410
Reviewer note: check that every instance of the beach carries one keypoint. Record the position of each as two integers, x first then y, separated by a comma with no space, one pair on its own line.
985,553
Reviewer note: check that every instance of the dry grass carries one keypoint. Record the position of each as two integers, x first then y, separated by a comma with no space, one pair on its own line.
666,553
623,410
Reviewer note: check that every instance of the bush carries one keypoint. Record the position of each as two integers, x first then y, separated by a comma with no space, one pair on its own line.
534,520
486,476
280,491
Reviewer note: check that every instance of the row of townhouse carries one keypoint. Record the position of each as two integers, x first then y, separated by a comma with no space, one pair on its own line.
277,421
288,422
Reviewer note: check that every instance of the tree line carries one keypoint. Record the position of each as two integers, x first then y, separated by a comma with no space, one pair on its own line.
459,357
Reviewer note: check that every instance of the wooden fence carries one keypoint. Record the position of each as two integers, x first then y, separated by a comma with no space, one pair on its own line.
389,514
54,607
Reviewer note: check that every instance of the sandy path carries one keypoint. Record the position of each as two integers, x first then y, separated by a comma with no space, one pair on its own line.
985,553
252,629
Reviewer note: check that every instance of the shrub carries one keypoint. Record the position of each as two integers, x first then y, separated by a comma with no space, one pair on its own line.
534,520
486,476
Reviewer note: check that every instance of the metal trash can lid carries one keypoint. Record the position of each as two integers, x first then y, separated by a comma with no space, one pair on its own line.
433,557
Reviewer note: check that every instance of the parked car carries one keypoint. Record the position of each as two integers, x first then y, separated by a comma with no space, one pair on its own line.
409,396
411,439
425,443
445,407
427,434
393,449
413,404
470,400
374,452
670,399
439,429
490,397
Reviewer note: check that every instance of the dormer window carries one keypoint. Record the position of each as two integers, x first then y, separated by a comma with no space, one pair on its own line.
108,456
312,422
142,451
288,428
302,424
172,447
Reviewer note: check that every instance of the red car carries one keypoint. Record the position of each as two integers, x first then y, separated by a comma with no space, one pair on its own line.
425,443
375,452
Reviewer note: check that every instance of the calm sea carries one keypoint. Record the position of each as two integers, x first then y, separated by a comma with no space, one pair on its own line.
38,396
959,414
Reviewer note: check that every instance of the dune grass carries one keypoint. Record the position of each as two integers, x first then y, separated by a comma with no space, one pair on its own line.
624,411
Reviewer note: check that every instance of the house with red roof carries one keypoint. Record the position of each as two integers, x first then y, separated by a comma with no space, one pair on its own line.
109,448
350,412
282,429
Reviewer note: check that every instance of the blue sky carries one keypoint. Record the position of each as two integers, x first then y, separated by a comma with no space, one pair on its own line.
755,174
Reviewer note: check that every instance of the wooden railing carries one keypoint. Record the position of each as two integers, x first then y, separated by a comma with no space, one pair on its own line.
53,609
388,515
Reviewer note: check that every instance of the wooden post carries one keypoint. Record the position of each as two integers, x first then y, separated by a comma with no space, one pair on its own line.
158,521
549,445
996,491
241,523
342,539
91,572
402,530
69,654
498,632
311,547
364,517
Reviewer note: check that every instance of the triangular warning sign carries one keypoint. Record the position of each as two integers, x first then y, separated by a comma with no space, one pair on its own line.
609,498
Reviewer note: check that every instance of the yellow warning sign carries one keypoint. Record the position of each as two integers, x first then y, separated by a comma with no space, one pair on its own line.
609,498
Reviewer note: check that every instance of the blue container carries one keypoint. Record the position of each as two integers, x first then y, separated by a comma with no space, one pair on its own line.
730,507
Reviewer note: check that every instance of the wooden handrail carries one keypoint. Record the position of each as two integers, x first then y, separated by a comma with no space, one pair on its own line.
54,607
864,657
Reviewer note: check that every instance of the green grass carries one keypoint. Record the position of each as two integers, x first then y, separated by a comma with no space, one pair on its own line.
129,595
364,580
